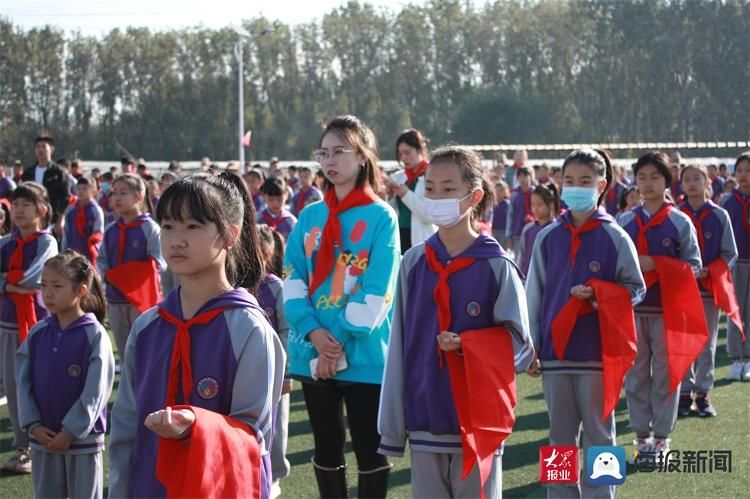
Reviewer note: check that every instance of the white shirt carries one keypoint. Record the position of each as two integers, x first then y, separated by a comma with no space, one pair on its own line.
39,174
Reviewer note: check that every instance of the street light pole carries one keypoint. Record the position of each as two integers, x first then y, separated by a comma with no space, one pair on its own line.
240,101
242,36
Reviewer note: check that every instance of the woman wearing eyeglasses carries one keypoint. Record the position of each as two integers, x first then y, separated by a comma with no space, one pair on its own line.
341,265
407,189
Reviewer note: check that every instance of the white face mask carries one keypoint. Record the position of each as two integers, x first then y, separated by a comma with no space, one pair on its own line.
443,212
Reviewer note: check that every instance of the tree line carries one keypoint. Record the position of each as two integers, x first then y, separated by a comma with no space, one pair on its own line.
502,72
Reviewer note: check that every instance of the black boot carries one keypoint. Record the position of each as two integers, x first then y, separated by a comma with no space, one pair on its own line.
331,481
373,484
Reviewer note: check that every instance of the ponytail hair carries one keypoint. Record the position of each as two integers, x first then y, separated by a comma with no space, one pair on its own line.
549,196
598,160
79,271
273,238
137,186
470,165
224,201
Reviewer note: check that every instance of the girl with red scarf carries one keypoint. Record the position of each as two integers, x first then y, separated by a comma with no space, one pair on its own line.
671,325
341,265
23,253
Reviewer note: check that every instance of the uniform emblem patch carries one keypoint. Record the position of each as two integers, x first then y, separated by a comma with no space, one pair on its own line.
707,235
473,309
208,388
666,242
595,266
74,370
136,243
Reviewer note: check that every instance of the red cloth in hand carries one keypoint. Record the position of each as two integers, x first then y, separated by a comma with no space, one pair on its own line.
483,384
221,458
617,330
138,281
719,283
685,328
24,303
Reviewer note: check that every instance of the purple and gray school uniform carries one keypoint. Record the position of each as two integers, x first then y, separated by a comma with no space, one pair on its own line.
284,221
416,401
717,189
310,196
65,378
516,217
271,300
528,236
650,405
573,389
238,365
94,223
500,221
736,348
611,201
6,185
718,242
258,202
35,254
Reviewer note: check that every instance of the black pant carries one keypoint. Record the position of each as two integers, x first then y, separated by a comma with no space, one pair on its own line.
325,406
405,236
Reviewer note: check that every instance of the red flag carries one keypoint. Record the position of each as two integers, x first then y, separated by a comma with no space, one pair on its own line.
685,328
617,330
221,458
138,281
719,283
246,139
483,384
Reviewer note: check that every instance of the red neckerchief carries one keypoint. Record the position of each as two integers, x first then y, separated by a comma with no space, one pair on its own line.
442,293
121,240
181,352
301,199
331,235
659,217
272,221
575,234
412,174
528,216
81,219
745,205
616,329
697,222
24,303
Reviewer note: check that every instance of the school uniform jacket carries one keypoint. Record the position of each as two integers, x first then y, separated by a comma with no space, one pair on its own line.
733,203
237,363
416,400
35,255
518,209
530,231
718,238
65,379
675,238
605,253
72,238
271,300
500,215
284,222
141,243
303,198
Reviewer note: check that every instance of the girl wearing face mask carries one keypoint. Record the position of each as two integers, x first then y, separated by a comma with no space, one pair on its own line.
581,312
460,316
672,329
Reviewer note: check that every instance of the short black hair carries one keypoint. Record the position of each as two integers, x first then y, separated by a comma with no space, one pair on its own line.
274,186
45,138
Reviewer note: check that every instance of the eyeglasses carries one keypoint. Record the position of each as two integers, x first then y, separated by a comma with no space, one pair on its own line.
322,155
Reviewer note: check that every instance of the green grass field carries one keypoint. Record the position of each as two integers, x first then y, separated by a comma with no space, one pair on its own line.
729,431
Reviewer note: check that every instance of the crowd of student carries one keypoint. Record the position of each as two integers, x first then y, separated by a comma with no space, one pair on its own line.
412,300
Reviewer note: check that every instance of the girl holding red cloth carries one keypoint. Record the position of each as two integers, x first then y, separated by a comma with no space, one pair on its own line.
203,369
23,253
581,315
672,328
460,332
718,254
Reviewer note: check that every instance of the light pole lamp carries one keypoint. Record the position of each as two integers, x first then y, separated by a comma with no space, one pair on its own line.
243,35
